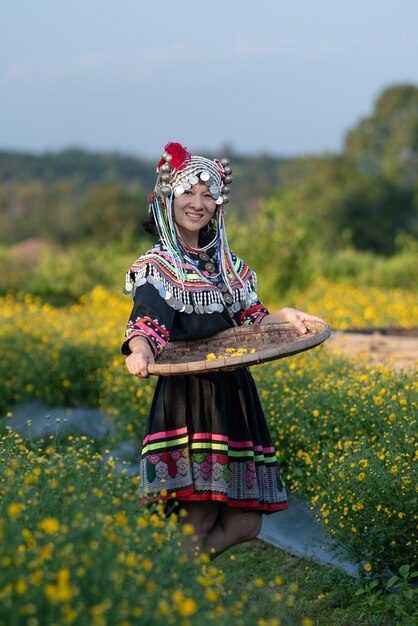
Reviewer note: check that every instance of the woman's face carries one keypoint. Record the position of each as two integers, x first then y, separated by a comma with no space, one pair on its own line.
192,211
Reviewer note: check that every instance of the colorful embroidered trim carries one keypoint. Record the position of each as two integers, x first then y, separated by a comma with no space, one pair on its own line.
253,315
196,293
155,333
204,466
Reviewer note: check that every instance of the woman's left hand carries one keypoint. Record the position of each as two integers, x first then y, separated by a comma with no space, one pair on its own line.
295,317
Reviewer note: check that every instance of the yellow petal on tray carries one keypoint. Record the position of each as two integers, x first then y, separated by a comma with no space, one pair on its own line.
210,356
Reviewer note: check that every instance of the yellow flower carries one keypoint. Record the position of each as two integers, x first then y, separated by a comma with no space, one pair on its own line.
187,607
15,509
62,590
187,529
121,519
50,525
146,564
211,595
367,567
21,586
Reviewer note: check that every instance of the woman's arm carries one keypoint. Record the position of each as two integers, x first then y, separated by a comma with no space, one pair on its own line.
141,356
295,317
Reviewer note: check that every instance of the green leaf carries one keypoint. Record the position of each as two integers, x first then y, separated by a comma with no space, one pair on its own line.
392,581
404,571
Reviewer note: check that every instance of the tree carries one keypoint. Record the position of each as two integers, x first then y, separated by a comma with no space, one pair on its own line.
386,142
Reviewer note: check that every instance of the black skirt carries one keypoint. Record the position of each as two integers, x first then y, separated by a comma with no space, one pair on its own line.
207,439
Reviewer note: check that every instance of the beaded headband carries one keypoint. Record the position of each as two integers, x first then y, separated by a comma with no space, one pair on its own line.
178,170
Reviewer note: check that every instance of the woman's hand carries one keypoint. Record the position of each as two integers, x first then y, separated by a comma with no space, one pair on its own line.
139,359
295,317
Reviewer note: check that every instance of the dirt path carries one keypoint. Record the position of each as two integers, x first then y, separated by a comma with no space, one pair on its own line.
398,351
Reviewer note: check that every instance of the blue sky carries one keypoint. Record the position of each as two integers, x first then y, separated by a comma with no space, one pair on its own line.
268,76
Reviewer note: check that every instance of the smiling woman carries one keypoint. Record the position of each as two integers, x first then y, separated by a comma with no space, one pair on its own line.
193,210
206,444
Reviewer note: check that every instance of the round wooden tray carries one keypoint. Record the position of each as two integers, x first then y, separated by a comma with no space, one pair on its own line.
236,347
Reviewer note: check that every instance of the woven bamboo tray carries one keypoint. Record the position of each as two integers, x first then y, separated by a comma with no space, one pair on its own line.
236,347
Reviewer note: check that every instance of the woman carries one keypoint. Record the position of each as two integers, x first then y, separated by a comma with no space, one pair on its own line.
207,443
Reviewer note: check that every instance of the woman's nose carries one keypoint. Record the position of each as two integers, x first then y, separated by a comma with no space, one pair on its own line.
197,201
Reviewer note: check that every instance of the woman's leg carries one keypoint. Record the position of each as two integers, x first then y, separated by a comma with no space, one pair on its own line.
232,526
218,527
202,516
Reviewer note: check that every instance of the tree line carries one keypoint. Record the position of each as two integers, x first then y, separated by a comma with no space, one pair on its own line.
365,198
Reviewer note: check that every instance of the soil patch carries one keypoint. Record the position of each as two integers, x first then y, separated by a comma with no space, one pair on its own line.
380,346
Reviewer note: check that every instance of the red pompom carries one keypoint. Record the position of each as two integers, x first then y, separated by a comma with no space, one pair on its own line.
179,155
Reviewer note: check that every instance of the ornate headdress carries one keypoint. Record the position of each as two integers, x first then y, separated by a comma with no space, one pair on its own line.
178,170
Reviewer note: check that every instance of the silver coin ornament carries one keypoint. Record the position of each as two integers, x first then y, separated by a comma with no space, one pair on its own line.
178,191
193,180
204,176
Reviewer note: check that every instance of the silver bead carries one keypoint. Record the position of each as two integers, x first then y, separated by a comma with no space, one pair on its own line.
225,199
228,179
165,167
167,157
225,161
165,177
166,190
228,170
225,189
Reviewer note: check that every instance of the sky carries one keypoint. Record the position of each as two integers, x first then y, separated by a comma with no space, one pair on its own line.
285,79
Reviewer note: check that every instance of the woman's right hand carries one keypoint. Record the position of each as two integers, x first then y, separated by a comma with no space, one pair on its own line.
139,359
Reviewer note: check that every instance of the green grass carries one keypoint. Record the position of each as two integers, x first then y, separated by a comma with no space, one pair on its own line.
325,594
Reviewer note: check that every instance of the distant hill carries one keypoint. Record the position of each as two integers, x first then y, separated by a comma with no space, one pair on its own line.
64,196
84,168
256,174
